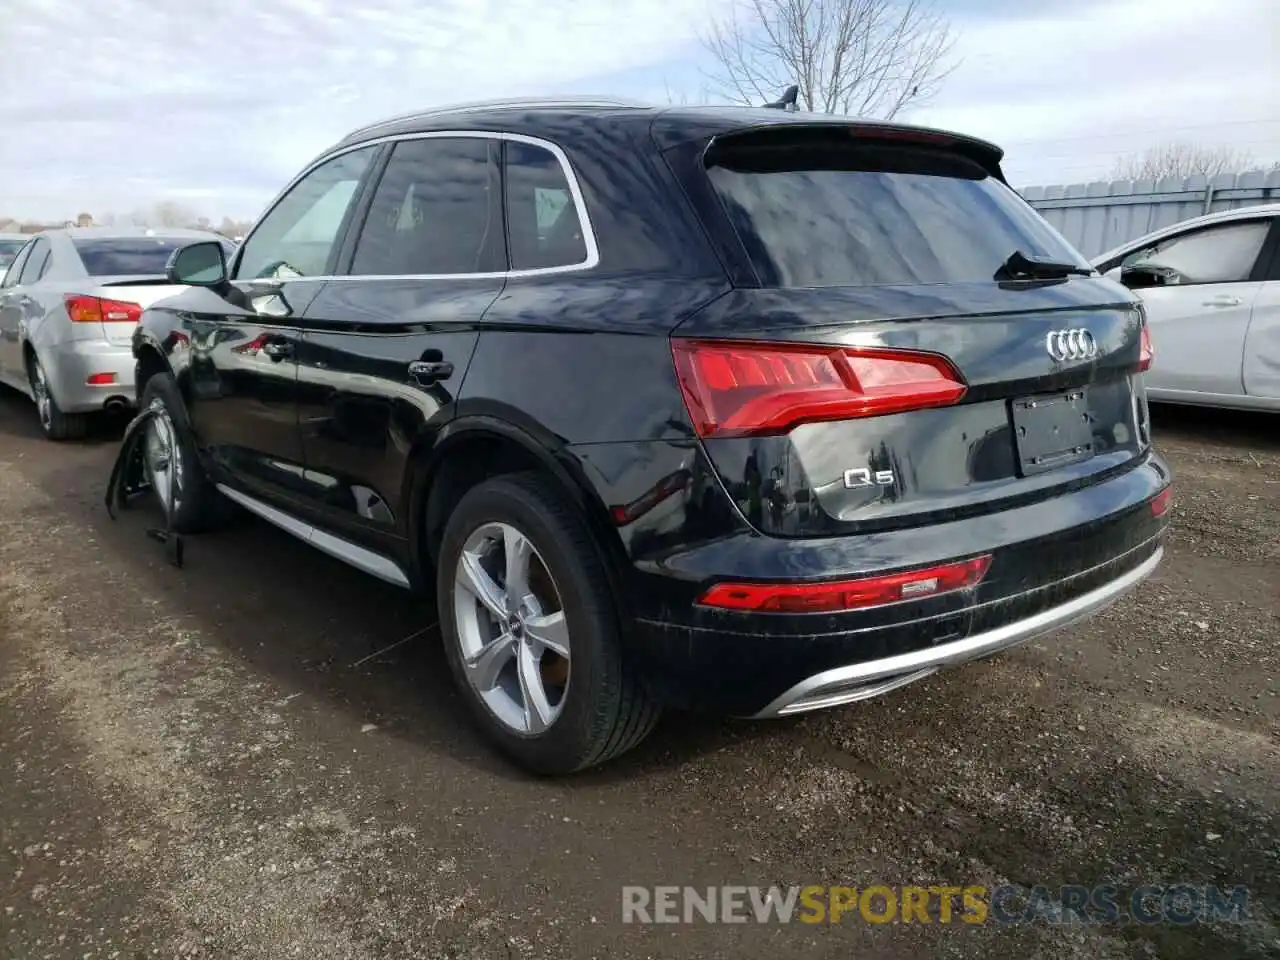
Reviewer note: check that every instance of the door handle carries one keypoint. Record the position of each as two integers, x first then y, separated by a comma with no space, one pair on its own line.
430,371
278,351
1223,301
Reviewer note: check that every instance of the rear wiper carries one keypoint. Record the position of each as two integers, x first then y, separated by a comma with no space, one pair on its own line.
1021,267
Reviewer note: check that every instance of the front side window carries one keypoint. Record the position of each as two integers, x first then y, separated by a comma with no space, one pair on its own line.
1223,254
298,236
437,211
542,219
8,251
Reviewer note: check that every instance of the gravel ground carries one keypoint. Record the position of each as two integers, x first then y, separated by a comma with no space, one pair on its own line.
220,763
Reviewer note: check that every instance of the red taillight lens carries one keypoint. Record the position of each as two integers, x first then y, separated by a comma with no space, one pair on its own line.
840,595
100,379
82,309
1146,352
751,389
1161,502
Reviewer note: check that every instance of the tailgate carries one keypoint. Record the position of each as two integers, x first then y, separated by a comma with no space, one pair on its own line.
909,341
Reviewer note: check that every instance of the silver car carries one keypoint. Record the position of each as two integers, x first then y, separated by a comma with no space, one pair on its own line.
1211,288
69,303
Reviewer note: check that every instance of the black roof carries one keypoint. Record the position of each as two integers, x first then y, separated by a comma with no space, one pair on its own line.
669,125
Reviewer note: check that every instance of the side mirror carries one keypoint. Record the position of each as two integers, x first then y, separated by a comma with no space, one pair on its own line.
202,264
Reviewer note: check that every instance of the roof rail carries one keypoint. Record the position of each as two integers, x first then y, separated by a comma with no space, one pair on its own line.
566,101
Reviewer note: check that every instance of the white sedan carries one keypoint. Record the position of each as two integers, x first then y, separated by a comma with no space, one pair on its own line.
1211,287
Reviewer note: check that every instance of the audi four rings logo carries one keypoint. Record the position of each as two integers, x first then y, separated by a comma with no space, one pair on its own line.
1075,344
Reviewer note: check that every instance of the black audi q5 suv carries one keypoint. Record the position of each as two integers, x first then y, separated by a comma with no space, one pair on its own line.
731,409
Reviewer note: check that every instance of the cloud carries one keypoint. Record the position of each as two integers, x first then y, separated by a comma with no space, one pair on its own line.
229,99
114,105
1068,88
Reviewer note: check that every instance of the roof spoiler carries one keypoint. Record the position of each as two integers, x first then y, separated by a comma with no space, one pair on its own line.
789,101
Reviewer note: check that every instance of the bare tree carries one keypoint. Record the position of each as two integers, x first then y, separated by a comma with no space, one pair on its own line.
859,57
1182,160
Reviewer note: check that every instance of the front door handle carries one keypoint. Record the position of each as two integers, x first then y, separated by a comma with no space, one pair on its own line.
1223,301
277,351
430,371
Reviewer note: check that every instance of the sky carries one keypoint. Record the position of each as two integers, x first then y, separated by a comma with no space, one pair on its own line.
114,105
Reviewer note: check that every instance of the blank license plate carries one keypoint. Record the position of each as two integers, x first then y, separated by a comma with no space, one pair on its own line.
1051,430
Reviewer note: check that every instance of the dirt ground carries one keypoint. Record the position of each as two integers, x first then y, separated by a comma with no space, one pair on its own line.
219,763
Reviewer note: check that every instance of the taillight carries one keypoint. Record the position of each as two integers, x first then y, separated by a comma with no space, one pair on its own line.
83,309
1146,352
737,389
840,595
1161,502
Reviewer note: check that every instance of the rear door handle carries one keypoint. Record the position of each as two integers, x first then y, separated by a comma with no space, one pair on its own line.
277,351
1223,301
430,371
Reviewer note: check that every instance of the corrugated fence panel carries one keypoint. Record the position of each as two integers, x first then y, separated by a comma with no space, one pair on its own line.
1098,216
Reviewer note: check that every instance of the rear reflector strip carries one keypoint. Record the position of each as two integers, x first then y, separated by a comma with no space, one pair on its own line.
744,388
841,595
100,379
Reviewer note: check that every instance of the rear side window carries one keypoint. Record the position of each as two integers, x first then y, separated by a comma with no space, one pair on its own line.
841,213
37,262
8,250
127,256
437,210
543,222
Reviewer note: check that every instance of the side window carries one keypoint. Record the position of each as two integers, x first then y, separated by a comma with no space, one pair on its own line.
437,210
543,223
36,261
1223,254
15,268
299,234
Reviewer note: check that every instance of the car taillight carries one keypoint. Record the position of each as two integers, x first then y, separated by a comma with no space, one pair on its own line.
740,388
841,595
84,309
1161,502
1146,352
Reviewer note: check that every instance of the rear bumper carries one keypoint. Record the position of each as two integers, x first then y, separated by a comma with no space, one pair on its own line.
70,365
1054,562
831,688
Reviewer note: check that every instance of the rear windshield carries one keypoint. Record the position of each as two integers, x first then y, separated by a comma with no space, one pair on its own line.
846,214
124,256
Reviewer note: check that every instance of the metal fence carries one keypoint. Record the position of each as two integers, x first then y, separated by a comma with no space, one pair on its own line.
1098,216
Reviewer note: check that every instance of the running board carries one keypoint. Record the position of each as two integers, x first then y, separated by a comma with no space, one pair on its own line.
374,564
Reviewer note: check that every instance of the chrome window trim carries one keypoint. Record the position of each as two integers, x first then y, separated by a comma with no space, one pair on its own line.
575,191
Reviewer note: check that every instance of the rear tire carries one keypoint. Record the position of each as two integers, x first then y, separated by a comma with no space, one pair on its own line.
595,707
171,459
54,423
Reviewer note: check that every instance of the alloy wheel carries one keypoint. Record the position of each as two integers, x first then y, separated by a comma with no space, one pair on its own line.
162,457
44,401
512,629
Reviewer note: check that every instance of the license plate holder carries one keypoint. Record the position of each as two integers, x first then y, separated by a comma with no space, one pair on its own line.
1051,430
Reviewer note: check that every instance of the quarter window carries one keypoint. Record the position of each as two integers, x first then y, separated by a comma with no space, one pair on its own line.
543,222
1224,254
436,211
298,236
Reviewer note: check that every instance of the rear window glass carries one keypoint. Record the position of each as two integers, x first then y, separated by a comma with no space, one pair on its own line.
841,214
124,256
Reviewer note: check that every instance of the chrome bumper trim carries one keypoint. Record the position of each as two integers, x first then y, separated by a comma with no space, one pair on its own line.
861,681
